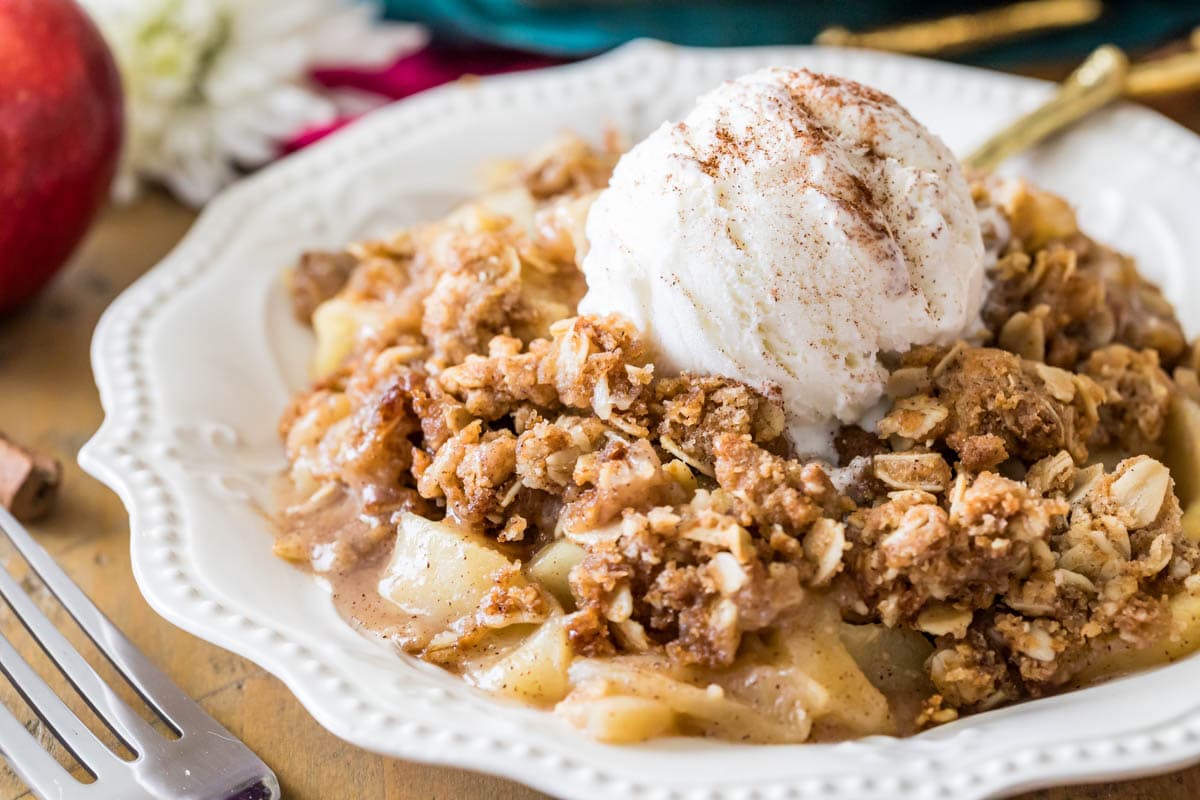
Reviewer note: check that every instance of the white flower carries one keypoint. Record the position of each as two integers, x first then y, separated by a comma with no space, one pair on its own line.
212,86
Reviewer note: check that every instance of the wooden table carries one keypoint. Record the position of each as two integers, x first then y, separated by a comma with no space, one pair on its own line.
48,400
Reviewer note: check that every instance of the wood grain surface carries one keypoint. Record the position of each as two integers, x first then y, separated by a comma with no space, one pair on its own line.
48,400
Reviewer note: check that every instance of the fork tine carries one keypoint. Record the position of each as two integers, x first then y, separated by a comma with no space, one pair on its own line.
206,761
36,767
69,729
133,731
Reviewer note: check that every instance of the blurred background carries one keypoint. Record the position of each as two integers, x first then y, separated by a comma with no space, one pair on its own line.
581,27
214,87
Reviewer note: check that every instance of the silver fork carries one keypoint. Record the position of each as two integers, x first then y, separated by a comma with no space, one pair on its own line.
206,762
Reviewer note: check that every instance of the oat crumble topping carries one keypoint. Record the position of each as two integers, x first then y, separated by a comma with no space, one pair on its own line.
653,555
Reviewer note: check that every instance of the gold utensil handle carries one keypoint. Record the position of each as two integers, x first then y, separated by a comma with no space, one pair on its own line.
968,31
1178,73
1099,80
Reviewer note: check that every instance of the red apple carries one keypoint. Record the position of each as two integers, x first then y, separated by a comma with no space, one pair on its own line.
61,124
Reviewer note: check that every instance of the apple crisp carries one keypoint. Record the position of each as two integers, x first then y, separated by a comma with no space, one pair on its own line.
521,495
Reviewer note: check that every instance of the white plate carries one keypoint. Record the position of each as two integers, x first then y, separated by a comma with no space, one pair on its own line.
196,361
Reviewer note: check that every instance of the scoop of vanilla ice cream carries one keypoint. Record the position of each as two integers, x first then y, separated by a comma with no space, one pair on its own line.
790,230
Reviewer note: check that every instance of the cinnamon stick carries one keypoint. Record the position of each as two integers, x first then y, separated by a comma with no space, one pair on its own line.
28,480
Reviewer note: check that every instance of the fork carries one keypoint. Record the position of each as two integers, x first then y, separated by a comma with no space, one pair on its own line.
206,762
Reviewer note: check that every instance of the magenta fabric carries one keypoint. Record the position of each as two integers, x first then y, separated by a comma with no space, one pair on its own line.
429,67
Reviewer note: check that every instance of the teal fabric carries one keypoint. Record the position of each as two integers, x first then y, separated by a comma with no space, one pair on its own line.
565,28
